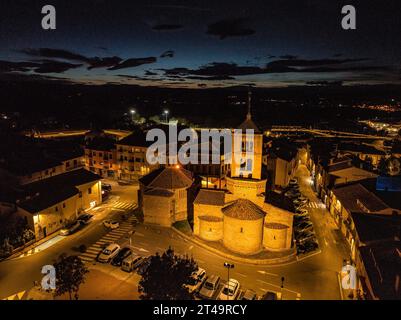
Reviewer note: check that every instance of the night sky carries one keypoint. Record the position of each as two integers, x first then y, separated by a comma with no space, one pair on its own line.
202,43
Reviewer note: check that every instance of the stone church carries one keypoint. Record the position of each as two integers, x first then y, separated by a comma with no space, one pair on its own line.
239,217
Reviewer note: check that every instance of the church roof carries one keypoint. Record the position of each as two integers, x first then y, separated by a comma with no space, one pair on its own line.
210,197
243,209
168,178
249,124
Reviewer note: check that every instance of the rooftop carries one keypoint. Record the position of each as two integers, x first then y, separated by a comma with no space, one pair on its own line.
243,209
383,266
210,197
373,227
168,178
355,197
135,139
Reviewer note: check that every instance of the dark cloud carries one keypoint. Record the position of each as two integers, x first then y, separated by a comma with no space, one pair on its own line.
133,62
104,62
288,57
167,54
166,27
150,73
229,28
225,70
293,62
41,66
56,53
10,66
324,83
50,66
211,78
111,63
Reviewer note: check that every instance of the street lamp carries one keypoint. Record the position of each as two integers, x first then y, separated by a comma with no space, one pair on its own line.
132,111
166,112
228,266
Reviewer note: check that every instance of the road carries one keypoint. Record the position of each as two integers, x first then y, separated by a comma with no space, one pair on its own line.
314,277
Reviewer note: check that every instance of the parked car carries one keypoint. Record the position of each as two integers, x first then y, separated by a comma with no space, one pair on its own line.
308,246
131,262
230,290
72,228
106,186
304,234
143,266
300,201
112,224
196,281
269,295
210,287
249,295
119,258
85,218
306,225
292,194
299,219
109,253
302,212
308,237
105,194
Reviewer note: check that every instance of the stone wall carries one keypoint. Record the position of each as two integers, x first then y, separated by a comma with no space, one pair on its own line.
243,236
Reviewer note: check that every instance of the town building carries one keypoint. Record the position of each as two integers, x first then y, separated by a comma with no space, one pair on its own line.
131,157
281,161
101,157
50,204
164,194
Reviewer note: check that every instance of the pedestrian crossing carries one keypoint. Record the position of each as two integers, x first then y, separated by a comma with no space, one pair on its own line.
124,206
18,296
111,237
313,204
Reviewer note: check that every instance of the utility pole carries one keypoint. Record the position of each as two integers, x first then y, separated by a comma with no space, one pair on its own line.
228,266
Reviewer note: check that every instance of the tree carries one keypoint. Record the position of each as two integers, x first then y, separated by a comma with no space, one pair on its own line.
165,277
70,274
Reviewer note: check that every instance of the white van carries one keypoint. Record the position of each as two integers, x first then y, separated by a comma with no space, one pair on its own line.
131,262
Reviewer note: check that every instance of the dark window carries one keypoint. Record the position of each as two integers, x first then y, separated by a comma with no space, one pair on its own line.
90,191
80,194
64,205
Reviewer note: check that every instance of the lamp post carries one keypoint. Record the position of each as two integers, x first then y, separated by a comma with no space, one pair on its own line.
228,266
133,112
282,287
166,112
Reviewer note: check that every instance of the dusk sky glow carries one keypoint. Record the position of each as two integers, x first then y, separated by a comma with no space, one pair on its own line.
202,44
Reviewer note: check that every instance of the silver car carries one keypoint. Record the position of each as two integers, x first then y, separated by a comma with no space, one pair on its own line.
209,287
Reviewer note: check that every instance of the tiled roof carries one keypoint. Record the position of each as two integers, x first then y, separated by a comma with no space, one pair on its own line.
382,263
48,192
374,227
355,197
168,178
47,198
243,209
210,197
249,124
135,139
